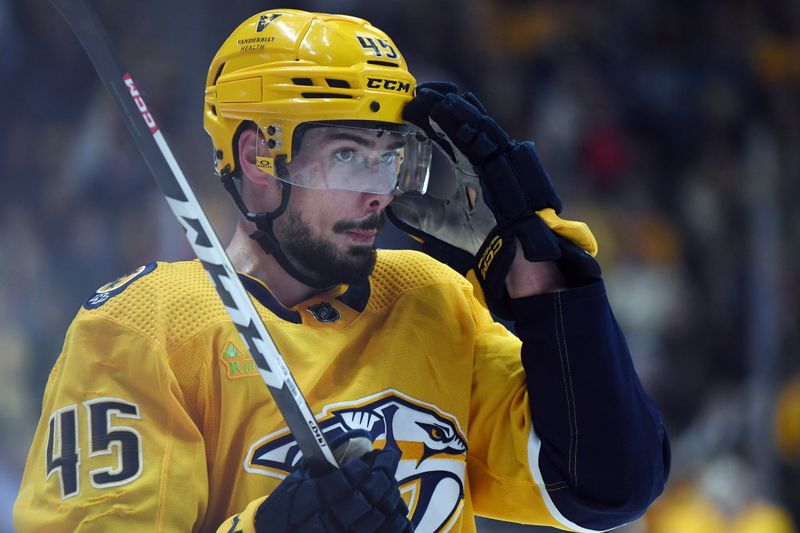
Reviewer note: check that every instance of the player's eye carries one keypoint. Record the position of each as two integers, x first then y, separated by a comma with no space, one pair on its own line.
345,155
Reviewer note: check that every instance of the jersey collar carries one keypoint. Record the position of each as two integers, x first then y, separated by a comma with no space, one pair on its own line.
336,307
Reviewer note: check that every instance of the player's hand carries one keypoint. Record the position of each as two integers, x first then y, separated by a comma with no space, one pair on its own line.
362,495
499,192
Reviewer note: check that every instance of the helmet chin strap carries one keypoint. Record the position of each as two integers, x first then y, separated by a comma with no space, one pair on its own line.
265,236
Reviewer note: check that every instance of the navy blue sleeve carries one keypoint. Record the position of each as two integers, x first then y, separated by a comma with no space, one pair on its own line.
604,453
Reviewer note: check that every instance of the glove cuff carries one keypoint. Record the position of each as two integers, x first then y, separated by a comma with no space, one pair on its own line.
491,268
577,265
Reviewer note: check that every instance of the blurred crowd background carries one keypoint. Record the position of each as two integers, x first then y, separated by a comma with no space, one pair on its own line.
672,127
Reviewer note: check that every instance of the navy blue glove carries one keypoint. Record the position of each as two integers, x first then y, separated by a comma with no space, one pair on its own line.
362,495
499,184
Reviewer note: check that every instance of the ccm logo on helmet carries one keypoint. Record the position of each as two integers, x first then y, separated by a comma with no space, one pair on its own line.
137,98
389,85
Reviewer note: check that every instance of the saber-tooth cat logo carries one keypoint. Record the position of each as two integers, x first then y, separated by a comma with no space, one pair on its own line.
433,464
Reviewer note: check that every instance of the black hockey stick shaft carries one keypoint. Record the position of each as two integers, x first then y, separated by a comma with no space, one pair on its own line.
91,33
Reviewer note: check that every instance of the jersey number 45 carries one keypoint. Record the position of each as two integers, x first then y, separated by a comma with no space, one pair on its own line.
63,455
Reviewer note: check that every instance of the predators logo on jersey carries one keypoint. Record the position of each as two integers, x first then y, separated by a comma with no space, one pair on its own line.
433,446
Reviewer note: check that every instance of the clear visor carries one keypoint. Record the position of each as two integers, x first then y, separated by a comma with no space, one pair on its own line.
383,160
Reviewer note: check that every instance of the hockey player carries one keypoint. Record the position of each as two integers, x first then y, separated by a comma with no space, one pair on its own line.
155,418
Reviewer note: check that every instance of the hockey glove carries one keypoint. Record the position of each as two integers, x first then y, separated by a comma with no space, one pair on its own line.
499,193
362,495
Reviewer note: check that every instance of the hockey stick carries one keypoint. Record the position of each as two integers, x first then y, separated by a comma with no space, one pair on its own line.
287,396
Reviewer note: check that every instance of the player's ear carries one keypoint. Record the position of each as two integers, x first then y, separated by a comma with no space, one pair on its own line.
249,140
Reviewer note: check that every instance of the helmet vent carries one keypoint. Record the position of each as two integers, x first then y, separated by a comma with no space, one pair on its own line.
302,81
383,63
325,95
339,84
219,73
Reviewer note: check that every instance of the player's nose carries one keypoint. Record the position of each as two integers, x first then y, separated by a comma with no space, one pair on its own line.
375,203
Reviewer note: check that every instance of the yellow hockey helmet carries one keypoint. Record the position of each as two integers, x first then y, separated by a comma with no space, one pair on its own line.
283,68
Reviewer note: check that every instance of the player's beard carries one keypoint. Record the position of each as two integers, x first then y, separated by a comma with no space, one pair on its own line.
320,259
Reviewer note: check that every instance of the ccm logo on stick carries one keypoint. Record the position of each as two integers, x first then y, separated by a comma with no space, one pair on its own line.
137,98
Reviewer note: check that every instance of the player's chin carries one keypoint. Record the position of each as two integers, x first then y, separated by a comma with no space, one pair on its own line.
360,252
357,263
357,247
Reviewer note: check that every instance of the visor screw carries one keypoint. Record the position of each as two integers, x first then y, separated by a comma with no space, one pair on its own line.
271,130
374,106
271,143
218,154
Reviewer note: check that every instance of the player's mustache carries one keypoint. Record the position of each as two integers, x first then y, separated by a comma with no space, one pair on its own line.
372,222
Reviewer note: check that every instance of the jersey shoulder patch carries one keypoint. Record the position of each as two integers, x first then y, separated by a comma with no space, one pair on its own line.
166,302
109,290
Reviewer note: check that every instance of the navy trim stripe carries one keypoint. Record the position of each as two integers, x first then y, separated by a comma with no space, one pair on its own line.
356,296
265,298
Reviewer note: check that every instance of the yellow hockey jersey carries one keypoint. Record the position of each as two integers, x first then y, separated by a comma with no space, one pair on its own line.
155,418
